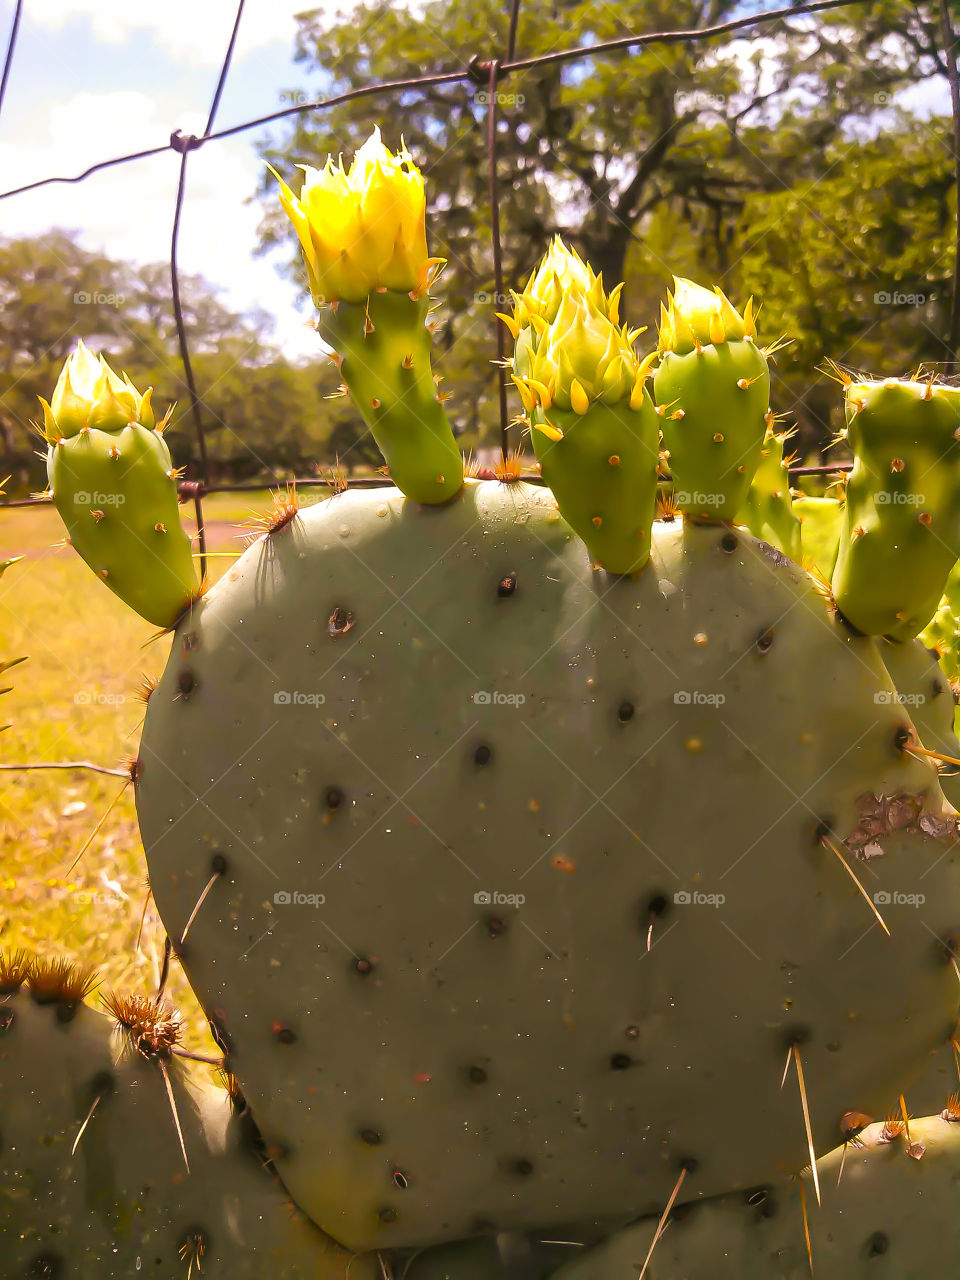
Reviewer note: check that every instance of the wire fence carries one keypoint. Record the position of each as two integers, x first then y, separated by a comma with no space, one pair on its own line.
484,73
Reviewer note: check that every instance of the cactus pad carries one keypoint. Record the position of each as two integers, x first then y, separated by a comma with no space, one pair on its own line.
473,971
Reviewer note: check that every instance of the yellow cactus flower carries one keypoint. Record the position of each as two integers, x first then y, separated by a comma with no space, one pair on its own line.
696,316
583,356
89,394
363,228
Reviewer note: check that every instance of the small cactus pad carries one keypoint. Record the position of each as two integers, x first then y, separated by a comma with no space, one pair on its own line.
820,521
901,523
893,1216
527,883
712,389
93,1182
593,425
768,508
384,349
113,483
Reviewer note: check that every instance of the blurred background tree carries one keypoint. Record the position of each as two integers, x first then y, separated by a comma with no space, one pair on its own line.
799,162
262,413
809,162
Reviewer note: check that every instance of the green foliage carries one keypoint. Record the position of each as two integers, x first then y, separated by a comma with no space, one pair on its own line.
774,167
261,412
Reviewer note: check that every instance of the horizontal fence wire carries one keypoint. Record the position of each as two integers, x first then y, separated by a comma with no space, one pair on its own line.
483,73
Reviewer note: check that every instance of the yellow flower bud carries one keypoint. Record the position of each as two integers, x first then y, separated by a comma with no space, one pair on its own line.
582,356
89,394
696,316
362,228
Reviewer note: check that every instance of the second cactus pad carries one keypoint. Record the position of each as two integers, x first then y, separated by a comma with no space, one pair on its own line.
114,485
901,524
712,389
525,883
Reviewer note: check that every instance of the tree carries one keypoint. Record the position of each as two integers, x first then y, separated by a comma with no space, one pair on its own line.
613,151
261,413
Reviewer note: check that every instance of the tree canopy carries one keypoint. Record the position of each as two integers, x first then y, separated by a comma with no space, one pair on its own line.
778,163
261,413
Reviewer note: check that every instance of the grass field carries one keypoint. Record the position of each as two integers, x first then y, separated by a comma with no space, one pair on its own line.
75,699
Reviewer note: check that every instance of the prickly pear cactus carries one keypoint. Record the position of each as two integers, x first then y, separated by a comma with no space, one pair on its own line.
768,509
364,245
467,759
925,693
114,485
94,1179
820,521
889,1210
901,523
592,421
712,388
542,868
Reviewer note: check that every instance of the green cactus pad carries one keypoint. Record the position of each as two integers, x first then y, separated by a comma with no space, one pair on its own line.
820,521
603,473
117,496
892,1217
901,524
401,718
713,428
122,1203
384,346
768,508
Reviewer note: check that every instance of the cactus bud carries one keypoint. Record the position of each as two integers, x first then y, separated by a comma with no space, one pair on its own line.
362,228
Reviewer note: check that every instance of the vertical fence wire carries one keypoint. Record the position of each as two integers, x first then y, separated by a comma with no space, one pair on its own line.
186,144
11,45
497,250
951,50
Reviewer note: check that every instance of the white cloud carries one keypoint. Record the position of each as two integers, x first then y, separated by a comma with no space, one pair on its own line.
127,211
194,31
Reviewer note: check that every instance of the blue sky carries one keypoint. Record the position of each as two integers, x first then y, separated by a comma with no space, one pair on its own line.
93,78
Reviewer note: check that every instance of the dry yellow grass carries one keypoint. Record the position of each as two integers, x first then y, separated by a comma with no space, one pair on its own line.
75,699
